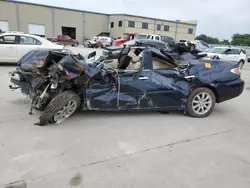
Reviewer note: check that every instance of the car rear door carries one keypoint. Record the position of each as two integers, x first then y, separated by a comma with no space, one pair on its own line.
8,49
26,44
152,88
232,55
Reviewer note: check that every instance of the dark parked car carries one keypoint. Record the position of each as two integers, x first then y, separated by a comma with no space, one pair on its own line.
64,39
195,45
65,83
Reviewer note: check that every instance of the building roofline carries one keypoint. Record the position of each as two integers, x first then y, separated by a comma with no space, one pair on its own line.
57,7
106,14
158,19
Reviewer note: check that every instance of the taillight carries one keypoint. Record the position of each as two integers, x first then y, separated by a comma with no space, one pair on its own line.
236,71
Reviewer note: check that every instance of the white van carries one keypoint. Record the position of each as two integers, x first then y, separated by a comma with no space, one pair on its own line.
153,37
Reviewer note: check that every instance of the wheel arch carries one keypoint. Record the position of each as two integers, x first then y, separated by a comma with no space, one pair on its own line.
215,91
193,44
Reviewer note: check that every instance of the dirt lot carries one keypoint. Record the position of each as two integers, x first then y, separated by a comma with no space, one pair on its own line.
125,150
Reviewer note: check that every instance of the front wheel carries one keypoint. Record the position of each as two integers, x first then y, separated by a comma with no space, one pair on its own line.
201,102
60,108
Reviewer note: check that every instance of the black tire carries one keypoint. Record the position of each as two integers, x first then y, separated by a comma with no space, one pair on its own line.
190,111
241,64
164,112
42,108
56,104
75,44
192,47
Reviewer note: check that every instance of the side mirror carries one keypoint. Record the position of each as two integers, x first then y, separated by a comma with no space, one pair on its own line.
227,52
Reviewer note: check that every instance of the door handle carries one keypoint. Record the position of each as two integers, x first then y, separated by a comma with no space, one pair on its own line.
11,47
143,78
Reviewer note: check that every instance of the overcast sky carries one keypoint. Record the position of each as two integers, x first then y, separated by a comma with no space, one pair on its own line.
217,18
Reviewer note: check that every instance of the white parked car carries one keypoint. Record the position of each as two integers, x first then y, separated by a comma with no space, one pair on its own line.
227,53
106,41
13,45
142,36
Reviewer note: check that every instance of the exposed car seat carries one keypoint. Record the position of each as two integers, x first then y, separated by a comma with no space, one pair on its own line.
113,64
160,64
134,66
134,62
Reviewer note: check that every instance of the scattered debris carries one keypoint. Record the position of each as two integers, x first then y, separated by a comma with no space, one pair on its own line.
17,184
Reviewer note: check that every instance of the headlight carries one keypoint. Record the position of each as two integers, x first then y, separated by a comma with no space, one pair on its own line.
53,86
15,76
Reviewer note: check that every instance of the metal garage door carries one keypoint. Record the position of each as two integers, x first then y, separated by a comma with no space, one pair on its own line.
4,26
37,29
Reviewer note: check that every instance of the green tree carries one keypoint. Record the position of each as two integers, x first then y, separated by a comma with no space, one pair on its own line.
241,39
225,42
208,39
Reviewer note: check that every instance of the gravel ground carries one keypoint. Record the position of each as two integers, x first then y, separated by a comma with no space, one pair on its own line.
125,150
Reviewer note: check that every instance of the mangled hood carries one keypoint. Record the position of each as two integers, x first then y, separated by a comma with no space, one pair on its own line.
33,59
76,66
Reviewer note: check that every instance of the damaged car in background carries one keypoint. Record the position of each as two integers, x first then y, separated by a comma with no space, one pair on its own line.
133,78
97,42
195,45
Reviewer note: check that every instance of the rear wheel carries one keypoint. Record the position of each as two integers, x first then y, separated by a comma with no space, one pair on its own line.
201,102
75,44
60,108
241,64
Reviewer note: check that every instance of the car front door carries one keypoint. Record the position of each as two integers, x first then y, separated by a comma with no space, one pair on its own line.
8,49
68,40
26,44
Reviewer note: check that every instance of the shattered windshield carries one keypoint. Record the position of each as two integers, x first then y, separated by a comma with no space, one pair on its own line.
217,50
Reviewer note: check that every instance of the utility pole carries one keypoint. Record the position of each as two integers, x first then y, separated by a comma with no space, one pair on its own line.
177,22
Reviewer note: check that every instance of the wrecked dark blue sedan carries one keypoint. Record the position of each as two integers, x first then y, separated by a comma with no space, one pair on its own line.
136,79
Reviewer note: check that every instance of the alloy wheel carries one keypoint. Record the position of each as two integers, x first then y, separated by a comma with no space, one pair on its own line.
202,102
66,111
